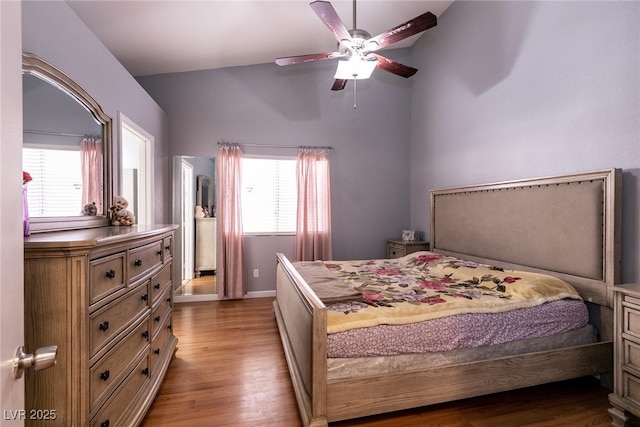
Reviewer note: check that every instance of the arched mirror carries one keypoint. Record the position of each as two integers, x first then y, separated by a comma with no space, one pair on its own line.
67,150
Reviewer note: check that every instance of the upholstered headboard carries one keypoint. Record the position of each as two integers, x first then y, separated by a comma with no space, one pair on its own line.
567,225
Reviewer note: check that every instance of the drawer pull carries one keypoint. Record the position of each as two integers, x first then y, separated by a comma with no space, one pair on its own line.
104,375
156,351
159,253
111,274
104,326
104,423
157,318
169,326
156,286
145,334
138,263
144,297
169,300
145,372
167,248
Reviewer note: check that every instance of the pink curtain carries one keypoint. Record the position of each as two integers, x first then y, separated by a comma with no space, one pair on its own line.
91,164
231,277
313,225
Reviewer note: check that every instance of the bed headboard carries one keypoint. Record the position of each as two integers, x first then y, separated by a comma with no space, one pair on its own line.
567,225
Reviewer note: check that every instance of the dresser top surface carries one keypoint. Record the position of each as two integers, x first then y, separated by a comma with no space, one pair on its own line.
94,236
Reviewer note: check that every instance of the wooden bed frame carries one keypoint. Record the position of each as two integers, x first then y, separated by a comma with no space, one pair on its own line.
568,226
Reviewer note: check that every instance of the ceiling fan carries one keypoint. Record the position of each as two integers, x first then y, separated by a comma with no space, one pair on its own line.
356,54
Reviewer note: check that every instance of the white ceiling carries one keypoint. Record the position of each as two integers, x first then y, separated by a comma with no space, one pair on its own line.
155,37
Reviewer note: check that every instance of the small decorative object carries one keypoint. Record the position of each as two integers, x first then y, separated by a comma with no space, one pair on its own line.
26,177
89,209
120,215
409,235
199,212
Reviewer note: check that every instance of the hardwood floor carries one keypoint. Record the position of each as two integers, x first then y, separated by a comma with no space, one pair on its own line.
230,370
203,285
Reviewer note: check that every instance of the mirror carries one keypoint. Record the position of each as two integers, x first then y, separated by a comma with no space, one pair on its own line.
195,240
204,195
62,124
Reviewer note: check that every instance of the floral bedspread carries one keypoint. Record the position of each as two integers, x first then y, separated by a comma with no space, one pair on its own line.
426,285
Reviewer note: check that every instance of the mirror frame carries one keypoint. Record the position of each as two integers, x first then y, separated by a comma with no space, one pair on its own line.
34,65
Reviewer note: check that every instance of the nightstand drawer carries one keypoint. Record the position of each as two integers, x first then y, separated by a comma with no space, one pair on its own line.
630,319
395,251
631,355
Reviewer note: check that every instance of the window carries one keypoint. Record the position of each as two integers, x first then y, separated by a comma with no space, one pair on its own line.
268,195
56,188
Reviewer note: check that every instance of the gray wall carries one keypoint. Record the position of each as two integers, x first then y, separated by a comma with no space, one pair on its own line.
511,90
51,30
267,104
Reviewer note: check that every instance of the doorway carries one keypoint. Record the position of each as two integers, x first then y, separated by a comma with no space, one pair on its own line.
191,281
136,146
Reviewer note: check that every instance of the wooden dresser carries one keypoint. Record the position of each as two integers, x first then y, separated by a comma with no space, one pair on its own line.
205,245
625,399
104,297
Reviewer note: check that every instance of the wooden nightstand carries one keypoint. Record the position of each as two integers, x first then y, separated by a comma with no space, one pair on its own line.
625,398
400,248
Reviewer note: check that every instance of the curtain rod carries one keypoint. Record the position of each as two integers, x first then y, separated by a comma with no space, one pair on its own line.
42,132
319,147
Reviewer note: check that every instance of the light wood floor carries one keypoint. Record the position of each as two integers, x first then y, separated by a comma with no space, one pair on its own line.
203,285
230,370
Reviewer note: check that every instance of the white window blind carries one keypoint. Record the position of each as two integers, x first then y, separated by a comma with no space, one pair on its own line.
56,188
269,196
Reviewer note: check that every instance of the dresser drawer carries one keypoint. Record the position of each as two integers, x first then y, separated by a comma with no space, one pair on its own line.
144,259
160,311
159,343
168,248
159,283
116,316
111,369
116,407
106,276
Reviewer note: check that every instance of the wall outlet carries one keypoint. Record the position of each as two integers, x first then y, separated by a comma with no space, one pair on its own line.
256,272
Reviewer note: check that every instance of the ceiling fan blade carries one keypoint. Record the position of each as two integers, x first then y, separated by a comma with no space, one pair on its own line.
330,17
394,67
412,27
339,84
308,58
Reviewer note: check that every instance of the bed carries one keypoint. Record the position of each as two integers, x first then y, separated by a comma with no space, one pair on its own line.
564,226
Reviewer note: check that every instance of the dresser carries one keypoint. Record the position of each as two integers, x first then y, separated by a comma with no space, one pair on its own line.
625,399
400,248
205,245
104,297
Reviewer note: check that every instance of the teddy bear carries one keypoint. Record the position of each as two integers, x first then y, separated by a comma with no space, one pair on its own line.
199,212
120,215
89,209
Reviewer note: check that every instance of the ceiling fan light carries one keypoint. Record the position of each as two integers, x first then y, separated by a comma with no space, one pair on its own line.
355,69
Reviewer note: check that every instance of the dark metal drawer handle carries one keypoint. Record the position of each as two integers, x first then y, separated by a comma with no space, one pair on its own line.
111,274
156,351
145,334
137,263
145,372
156,286
168,248
104,326
144,297
159,252
169,300
104,423
105,375
157,318
169,326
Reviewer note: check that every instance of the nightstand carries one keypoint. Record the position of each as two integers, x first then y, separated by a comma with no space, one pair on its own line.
400,248
625,398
